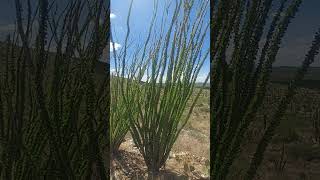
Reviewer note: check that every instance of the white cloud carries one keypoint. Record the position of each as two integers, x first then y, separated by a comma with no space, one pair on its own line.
112,16
144,78
113,71
201,78
117,46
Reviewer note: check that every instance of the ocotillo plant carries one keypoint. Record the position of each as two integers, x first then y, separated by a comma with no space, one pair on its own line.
161,76
239,81
55,128
119,125
119,116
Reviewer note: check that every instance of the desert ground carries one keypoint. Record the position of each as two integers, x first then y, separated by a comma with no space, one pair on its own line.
189,158
294,153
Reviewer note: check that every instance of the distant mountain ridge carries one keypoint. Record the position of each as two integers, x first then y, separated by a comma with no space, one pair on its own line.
285,73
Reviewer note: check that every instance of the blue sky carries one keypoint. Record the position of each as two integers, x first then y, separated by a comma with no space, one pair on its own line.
300,34
293,49
140,19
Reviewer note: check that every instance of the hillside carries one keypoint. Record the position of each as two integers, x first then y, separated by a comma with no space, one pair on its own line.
283,74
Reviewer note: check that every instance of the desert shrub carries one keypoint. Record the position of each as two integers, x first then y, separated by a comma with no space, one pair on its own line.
161,77
119,117
54,104
240,75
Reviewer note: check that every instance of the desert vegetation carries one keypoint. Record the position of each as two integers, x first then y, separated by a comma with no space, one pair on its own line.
54,105
63,115
293,144
240,82
154,86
